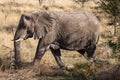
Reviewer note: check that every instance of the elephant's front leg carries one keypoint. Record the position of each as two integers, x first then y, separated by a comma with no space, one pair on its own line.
57,55
40,51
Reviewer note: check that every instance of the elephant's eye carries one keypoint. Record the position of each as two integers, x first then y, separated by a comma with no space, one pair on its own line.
29,32
27,17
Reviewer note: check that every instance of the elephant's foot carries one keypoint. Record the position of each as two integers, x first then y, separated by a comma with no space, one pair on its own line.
36,66
63,67
36,62
17,65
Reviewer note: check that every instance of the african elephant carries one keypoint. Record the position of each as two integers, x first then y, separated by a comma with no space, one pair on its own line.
74,31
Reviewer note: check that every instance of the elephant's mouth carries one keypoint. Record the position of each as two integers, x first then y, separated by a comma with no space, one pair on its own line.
26,37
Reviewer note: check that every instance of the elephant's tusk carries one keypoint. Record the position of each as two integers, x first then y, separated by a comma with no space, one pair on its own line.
20,39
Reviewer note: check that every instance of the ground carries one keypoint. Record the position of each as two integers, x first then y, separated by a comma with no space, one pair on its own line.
79,68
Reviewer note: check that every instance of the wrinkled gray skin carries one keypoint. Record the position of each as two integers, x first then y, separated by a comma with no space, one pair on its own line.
75,31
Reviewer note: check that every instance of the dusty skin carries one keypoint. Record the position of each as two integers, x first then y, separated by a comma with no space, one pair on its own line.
75,31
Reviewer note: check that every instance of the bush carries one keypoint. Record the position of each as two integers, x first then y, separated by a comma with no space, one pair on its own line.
115,45
112,8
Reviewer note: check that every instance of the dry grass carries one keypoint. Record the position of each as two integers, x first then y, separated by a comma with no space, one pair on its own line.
10,11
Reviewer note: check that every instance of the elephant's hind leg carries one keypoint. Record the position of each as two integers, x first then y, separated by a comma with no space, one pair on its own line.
57,56
90,52
82,51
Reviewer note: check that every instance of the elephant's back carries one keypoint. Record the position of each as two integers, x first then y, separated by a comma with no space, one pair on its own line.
78,30
78,20
81,22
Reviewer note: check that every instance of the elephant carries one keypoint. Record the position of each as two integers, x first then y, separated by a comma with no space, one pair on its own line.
55,30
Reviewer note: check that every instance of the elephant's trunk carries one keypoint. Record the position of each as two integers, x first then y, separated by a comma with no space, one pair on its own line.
17,50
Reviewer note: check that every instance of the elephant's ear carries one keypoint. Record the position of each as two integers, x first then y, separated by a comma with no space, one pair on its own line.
38,33
46,23
50,21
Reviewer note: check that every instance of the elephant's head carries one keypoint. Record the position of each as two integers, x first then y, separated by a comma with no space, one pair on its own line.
36,24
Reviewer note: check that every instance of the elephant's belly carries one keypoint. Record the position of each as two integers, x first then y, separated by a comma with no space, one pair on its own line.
69,48
76,45
76,41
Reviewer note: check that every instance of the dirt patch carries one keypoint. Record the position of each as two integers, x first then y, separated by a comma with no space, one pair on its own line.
83,71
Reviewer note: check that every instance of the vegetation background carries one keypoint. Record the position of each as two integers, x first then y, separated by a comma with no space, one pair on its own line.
108,50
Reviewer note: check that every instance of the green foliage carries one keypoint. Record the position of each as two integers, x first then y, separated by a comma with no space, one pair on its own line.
115,45
111,7
88,71
82,71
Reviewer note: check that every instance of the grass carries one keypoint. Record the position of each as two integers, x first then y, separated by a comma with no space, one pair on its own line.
10,13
